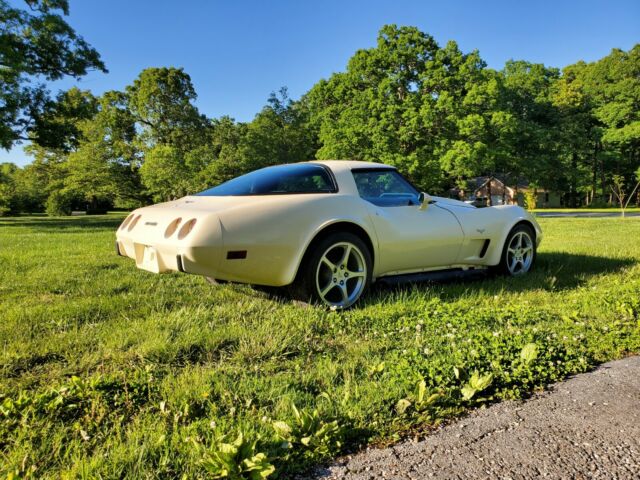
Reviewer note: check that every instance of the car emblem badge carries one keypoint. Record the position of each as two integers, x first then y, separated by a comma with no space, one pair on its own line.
480,230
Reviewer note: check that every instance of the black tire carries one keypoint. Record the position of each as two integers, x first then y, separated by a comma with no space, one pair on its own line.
523,238
345,282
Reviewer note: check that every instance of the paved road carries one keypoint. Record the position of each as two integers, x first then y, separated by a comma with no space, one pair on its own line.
585,214
585,427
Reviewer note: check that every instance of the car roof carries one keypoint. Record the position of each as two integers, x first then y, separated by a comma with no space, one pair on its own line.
342,165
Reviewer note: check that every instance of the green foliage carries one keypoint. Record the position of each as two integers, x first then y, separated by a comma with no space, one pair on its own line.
236,460
59,126
437,113
161,100
5,199
529,353
165,173
421,402
37,45
7,187
410,103
476,384
530,199
59,202
310,435
168,368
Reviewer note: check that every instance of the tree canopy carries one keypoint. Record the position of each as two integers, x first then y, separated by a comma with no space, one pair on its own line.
36,45
437,113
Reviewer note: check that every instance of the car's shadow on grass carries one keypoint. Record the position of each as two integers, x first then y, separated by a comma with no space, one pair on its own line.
553,271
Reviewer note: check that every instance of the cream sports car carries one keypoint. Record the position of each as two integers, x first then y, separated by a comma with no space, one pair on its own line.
328,229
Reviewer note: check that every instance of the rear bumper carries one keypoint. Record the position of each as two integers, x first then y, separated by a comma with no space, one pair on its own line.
168,257
244,253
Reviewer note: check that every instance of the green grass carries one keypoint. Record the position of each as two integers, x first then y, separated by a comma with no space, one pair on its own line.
588,210
111,372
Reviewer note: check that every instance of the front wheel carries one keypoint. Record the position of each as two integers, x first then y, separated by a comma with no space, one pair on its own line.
519,252
336,273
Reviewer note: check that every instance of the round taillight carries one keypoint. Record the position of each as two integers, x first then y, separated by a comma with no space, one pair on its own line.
186,228
134,222
173,226
126,222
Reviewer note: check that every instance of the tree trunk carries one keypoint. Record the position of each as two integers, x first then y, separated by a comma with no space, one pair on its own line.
572,185
594,176
603,178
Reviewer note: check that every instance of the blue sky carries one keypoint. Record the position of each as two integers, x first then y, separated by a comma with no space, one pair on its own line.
237,52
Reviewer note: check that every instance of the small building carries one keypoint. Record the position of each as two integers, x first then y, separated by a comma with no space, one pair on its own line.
544,198
487,191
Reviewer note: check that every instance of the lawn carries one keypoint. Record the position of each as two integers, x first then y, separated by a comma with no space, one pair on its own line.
588,210
111,372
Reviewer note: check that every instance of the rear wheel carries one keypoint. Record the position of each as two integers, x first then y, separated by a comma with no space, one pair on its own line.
336,273
519,252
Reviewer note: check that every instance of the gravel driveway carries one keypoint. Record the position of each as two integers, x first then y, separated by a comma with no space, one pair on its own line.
585,427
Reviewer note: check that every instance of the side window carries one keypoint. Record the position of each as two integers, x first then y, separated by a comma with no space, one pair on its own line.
304,183
385,188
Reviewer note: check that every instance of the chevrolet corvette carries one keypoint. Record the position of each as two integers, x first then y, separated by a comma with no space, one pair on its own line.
325,229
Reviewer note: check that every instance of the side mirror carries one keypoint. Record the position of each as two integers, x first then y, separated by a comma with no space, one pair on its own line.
424,199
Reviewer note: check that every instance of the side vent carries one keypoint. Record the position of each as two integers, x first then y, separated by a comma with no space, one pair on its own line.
485,246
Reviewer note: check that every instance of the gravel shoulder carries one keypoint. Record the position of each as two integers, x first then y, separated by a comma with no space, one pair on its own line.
585,427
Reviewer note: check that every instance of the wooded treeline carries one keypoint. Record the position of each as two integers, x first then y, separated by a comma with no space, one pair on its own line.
438,114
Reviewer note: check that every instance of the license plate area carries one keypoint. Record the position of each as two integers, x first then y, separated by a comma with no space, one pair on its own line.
149,260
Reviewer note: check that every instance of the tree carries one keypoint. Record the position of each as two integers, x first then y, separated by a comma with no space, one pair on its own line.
165,173
161,101
578,136
59,124
533,140
613,84
622,195
219,159
277,134
426,109
45,174
7,188
104,168
35,46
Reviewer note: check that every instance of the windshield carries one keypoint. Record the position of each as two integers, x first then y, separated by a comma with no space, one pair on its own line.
280,179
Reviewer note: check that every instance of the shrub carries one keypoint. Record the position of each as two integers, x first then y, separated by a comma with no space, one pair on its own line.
310,435
59,203
5,200
530,200
237,460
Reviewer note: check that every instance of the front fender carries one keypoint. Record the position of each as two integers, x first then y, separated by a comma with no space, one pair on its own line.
513,216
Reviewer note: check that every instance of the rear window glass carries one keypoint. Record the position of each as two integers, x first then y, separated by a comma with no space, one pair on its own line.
280,179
